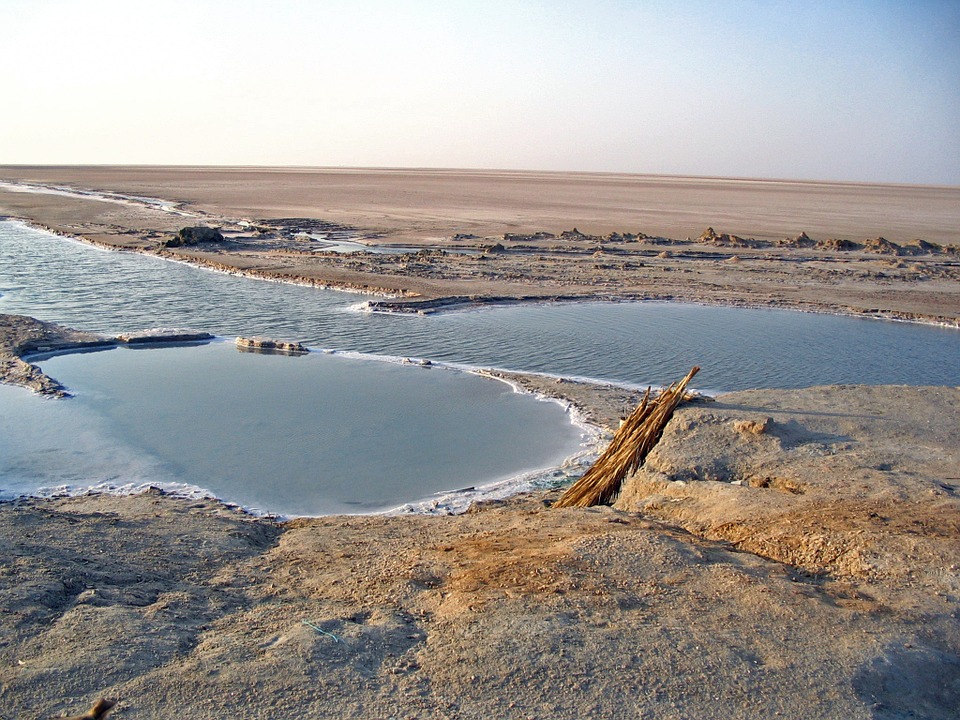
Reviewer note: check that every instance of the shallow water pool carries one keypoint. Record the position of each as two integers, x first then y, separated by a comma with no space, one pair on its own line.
294,435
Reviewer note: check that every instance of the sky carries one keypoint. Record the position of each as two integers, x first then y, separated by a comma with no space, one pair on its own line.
834,90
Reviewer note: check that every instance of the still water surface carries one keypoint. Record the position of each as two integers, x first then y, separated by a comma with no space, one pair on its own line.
309,434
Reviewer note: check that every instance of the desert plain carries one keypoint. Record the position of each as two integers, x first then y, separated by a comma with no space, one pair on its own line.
780,554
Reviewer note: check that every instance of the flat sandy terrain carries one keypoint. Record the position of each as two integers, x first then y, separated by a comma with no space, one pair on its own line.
868,249
437,204
786,554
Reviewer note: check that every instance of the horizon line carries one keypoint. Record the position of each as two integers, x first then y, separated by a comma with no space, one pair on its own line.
479,170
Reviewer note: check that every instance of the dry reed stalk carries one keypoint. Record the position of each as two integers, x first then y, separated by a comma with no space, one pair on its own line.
99,710
628,449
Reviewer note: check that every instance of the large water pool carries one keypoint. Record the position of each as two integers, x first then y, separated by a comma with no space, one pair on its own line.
294,435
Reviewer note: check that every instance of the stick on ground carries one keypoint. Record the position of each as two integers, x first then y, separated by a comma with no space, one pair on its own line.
99,710
628,449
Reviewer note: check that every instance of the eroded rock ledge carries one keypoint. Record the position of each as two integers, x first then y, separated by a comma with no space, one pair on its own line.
428,306
22,336
843,480
269,345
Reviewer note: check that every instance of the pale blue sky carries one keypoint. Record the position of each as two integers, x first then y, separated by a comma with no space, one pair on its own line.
812,90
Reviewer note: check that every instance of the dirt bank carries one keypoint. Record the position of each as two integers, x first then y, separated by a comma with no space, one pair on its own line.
512,611
888,251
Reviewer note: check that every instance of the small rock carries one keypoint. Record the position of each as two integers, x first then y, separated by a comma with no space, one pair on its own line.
753,427
194,236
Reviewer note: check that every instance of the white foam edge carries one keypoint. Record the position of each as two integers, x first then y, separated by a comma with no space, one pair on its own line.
577,417
439,503
207,268
179,490
454,502
68,238
470,307
487,370
277,280
467,307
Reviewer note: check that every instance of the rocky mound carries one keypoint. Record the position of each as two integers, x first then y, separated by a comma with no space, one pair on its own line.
262,344
194,236
710,237
842,480
800,241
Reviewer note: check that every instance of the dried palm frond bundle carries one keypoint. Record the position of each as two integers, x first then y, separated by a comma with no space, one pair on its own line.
99,710
628,449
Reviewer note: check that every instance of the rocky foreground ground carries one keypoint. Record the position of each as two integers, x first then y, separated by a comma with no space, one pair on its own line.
781,554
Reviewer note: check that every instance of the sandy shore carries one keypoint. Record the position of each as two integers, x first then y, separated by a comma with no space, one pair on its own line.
782,553
859,249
